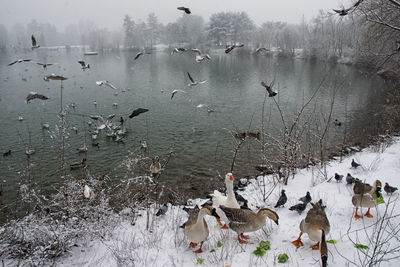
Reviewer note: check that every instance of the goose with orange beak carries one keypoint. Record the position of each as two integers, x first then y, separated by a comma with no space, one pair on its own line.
228,200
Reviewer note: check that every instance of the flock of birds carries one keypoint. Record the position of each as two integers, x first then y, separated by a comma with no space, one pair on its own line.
241,219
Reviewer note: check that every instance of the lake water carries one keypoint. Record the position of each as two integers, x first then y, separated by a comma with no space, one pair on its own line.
202,142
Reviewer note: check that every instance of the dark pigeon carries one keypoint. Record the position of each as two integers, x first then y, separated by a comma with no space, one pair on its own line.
389,189
282,199
338,177
299,207
354,164
306,198
350,179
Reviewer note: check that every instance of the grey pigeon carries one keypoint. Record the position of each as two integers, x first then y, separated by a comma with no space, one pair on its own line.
354,164
269,89
282,199
350,179
306,198
299,207
338,177
389,189
162,210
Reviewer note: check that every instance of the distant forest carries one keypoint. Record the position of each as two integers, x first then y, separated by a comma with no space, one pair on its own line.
368,34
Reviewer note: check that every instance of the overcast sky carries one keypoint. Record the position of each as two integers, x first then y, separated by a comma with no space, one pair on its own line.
109,13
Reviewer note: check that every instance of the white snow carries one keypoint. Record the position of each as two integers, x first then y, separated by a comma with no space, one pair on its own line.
166,245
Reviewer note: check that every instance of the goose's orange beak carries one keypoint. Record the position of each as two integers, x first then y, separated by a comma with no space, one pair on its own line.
231,177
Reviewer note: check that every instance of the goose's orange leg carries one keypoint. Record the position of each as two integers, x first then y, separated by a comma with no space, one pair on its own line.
298,242
223,226
316,246
242,241
356,216
369,215
192,245
244,236
199,250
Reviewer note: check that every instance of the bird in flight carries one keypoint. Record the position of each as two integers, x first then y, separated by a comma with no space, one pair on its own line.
178,50
34,43
34,95
231,47
193,82
271,93
175,92
137,112
343,11
54,77
19,61
45,65
100,83
200,58
83,65
186,9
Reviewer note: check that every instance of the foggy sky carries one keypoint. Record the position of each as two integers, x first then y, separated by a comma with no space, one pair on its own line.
110,13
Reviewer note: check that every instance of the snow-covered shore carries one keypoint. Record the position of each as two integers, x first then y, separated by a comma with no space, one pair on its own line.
166,245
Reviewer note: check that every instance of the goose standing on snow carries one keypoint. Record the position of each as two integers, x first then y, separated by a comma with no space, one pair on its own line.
316,225
228,201
245,220
365,197
196,228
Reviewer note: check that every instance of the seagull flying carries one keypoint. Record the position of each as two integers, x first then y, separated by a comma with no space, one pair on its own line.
45,65
138,111
84,66
269,89
34,95
230,48
186,9
261,49
138,55
200,58
19,61
54,77
34,44
178,50
193,82
100,83
343,11
176,91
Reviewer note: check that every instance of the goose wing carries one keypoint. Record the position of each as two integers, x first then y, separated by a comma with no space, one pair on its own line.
238,216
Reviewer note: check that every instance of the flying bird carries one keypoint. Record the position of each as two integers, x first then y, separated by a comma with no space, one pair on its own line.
343,11
336,122
200,58
45,65
196,50
34,95
100,83
176,91
271,93
388,189
19,61
138,55
338,177
178,50
193,82
84,65
137,112
354,164
261,50
34,44
186,9
282,199
54,77
231,47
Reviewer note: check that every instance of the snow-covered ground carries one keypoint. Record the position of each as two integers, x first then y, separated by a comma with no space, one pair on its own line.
166,245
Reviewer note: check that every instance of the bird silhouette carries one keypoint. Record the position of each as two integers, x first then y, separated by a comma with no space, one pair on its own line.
343,11
137,112
178,50
389,189
337,123
282,199
138,55
354,164
271,93
261,50
19,61
186,9
175,92
7,153
83,65
338,177
100,83
34,95
45,65
34,43
193,82
231,47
